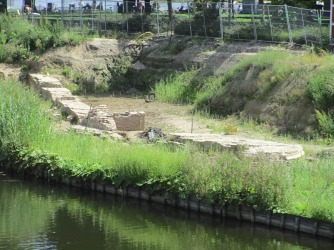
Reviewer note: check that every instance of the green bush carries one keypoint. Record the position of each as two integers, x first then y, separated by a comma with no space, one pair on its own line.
18,37
86,84
119,71
176,88
326,123
321,87
204,23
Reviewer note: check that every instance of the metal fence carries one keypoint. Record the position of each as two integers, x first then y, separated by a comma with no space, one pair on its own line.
274,23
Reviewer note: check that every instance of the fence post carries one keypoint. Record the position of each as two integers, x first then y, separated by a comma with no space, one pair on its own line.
62,12
319,24
142,21
254,24
190,28
105,16
230,7
204,21
221,21
288,23
92,16
156,8
127,17
305,37
80,9
270,24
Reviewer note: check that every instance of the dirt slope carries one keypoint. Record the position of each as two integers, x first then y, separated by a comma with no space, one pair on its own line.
96,58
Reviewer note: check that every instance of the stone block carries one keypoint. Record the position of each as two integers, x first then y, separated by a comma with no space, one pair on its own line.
39,81
130,121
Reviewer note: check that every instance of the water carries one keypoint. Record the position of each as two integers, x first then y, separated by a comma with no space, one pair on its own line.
37,216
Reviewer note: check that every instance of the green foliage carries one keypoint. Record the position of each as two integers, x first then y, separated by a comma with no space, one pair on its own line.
326,123
18,37
176,88
308,4
311,181
213,86
321,86
25,129
86,84
176,47
119,72
66,71
239,30
212,25
312,35
22,115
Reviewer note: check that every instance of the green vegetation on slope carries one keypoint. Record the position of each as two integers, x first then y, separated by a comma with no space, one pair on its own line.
18,37
289,80
28,142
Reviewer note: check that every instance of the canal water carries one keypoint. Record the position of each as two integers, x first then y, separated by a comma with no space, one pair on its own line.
40,216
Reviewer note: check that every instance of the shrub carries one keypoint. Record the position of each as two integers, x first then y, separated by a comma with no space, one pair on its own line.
321,87
86,84
177,88
119,71
19,37
326,122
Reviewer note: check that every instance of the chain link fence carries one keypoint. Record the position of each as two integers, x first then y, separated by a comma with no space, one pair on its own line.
272,23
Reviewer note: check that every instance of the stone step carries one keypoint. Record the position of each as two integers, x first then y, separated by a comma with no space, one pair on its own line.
55,94
39,81
77,111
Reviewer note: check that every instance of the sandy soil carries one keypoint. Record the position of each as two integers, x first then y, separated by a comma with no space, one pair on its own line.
167,117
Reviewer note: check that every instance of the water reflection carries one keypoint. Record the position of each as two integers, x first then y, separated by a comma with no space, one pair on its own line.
35,216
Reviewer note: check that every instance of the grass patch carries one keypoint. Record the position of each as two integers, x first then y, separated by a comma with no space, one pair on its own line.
19,37
176,88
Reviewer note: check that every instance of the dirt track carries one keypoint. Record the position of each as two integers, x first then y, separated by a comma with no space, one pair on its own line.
167,117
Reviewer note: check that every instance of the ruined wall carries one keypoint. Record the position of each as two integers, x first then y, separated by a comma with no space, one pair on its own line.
130,121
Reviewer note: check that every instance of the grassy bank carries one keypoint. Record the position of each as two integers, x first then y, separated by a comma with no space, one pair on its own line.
28,141
272,87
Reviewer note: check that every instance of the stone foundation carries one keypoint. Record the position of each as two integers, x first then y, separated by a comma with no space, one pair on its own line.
130,121
83,114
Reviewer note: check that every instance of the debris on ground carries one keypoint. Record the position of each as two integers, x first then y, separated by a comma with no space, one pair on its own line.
152,134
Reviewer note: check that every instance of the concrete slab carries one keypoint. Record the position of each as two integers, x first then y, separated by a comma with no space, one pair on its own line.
75,108
55,94
250,147
38,81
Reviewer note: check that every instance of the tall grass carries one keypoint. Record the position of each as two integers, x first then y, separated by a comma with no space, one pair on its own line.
321,87
300,187
310,188
189,87
126,160
24,118
176,88
18,37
